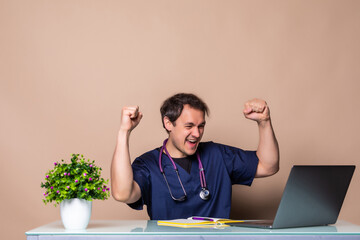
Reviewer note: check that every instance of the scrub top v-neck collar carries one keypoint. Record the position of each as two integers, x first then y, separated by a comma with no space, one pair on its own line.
185,162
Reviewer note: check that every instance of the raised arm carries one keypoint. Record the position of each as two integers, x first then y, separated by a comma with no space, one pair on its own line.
123,186
268,148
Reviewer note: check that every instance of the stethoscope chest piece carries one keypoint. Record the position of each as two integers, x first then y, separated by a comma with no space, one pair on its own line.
204,194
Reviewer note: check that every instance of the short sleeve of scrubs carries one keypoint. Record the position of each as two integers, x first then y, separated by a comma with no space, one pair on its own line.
240,164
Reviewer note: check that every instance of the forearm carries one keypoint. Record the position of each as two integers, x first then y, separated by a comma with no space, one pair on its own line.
268,150
122,183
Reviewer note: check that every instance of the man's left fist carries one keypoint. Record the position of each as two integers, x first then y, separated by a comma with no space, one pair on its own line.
257,110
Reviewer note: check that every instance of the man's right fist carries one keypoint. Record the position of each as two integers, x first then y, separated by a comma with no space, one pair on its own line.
130,118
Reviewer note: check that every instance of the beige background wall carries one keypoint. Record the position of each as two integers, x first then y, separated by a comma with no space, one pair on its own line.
68,67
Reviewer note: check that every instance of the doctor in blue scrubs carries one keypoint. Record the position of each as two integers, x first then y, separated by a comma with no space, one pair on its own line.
186,177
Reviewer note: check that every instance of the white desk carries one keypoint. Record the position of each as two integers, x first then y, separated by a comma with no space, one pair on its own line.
143,229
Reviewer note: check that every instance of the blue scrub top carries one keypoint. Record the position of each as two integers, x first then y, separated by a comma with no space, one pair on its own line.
223,166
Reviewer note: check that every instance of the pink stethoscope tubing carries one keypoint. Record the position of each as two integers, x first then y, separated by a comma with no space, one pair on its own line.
201,168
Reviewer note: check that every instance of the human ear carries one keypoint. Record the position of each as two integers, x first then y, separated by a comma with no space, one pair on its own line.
168,124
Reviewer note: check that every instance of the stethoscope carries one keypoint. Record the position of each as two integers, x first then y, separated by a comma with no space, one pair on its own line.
204,193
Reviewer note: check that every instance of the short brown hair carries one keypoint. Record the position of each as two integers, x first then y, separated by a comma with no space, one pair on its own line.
173,106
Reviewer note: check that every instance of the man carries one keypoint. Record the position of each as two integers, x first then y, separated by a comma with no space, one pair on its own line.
187,177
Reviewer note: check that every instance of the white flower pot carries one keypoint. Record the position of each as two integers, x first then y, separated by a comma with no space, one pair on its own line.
75,213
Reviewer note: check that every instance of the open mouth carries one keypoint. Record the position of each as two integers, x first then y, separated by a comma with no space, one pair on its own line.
192,142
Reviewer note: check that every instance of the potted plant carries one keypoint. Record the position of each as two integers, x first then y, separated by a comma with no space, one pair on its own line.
74,186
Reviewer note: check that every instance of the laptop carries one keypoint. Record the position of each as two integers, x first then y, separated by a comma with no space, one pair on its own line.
313,196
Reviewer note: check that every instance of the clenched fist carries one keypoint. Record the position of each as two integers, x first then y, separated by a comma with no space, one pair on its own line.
130,118
257,110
